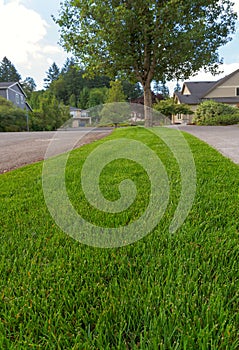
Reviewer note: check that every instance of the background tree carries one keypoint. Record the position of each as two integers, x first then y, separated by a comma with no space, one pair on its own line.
52,74
146,40
169,108
28,86
97,96
8,72
131,91
160,87
115,109
116,93
177,87
84,98
49,114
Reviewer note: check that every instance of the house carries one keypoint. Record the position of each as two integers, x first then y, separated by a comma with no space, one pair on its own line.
137,112
225,90
79,117
140,100
13,92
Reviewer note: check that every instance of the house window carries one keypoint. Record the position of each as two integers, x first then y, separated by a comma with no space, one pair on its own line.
22,100
237,91
17,99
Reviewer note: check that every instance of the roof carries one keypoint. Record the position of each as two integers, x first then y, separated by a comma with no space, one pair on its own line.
188,99
233,99
72,109
7,85
199,89
221,81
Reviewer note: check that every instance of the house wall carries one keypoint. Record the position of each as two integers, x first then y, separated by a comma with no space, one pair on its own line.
184,118
3,93
226,89
15,95
186,91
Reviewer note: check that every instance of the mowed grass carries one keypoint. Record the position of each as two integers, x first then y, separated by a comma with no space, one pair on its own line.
166,291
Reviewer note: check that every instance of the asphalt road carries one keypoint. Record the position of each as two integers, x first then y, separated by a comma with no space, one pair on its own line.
20,148
225,139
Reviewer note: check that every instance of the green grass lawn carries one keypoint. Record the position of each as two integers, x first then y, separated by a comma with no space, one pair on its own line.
166,291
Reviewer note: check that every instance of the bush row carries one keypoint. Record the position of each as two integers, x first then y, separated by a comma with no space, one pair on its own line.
215,113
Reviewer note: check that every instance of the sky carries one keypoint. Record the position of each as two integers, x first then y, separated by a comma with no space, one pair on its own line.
29,39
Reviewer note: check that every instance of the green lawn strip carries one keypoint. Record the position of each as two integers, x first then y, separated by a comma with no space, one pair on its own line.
167,291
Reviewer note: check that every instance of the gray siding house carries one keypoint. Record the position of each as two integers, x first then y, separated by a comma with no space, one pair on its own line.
13,92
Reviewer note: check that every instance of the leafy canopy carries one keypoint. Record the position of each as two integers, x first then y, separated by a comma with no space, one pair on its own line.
169,107
146,39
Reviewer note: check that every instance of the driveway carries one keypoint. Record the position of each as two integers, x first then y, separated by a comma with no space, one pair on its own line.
223,138
21,148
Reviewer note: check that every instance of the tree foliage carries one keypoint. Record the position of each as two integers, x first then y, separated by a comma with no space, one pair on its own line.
116,93
169,107
28,86
8,72
160,87
11,117
48,113
115,110
52,74
146,40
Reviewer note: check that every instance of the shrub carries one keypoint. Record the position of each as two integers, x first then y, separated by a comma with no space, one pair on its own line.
221,120
11,117
215,113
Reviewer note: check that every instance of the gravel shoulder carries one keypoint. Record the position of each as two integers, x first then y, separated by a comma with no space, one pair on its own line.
19,149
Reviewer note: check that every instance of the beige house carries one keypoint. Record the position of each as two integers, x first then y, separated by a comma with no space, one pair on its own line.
79,117
225,90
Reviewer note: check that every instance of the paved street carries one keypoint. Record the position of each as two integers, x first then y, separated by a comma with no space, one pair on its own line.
21,148
224,138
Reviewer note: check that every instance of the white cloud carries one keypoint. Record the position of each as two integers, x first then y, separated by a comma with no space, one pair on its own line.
21,30
25,40
236,5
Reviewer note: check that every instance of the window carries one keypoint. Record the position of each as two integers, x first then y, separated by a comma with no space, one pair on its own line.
22,100
237,91
17,99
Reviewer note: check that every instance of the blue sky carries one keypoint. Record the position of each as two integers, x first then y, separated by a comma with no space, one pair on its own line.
29,38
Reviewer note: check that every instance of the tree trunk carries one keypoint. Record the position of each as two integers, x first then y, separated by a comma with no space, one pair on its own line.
148,106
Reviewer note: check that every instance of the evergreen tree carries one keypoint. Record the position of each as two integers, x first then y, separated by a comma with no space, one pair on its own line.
28,86
8,72
177,87
52,75
161,88
132,91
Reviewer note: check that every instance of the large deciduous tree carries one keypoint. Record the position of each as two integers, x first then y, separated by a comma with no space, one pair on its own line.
146,40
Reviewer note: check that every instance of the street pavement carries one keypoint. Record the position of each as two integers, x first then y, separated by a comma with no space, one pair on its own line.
225,139
20,148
